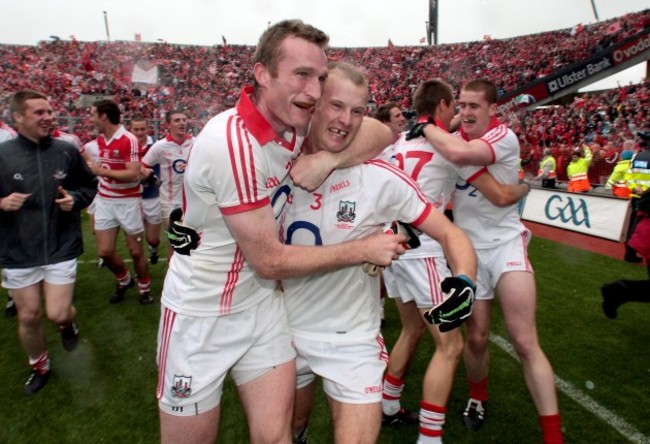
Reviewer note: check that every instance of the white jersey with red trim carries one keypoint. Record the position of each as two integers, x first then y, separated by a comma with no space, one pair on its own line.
486,224
344,305
114,154
67,137
435,175
172,158
6,132
237,164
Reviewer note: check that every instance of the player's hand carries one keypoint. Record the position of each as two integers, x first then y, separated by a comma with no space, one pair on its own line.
408,230
418,129
457,306
182,238
310,170
66,201
380,249
13,202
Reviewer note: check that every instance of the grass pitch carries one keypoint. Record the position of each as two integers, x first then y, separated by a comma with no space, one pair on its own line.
104,391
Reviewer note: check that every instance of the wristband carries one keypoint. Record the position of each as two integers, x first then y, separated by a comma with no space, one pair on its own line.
467,280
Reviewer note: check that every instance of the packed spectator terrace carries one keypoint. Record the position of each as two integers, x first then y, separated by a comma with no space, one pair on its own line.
206,80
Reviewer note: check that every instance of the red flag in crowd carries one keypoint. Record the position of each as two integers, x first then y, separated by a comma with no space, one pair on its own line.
390,43
223,39
138,37
423,39
614,27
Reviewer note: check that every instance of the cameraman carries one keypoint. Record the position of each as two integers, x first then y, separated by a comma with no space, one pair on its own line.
638,181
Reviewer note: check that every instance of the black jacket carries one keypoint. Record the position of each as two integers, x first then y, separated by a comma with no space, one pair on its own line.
40,233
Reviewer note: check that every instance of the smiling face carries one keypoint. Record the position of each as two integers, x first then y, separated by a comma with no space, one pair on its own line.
476,113
287,99
397,121
36,119
339,113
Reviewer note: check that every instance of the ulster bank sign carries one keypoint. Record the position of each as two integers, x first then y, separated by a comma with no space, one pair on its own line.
600,216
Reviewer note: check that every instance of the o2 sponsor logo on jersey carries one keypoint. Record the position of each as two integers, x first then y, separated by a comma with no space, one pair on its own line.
465,186
280,198
179,166
182,387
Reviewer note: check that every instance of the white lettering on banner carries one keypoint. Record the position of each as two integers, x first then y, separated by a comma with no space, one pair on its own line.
621,55
599,216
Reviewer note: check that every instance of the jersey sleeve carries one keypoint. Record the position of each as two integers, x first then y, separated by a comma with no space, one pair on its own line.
224,159
397,195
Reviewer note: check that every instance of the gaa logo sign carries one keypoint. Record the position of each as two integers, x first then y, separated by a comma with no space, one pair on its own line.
567,210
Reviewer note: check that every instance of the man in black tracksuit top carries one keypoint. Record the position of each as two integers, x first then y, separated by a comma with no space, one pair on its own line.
44,183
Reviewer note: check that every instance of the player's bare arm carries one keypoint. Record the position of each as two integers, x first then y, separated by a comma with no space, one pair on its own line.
458,249
456,150
256,234
497,193
309,171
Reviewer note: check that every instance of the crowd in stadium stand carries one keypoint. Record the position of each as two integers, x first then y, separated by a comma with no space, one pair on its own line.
203,80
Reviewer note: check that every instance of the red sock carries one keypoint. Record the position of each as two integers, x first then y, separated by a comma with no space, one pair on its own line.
144,284
478,390
123,278
432,419
41,364
551,429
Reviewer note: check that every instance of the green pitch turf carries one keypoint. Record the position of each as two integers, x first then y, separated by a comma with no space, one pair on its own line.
104,391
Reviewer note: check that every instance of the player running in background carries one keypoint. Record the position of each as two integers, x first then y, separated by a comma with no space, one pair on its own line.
44,183
118,200
170,155
151,212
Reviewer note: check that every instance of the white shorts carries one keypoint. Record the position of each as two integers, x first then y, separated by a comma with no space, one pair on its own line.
196,353
61,273
114,213
493,262
167,208
151,211
352,373
90,209
419,280
389,282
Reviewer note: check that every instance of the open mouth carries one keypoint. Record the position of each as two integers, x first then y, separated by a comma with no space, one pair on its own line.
338,132
305,106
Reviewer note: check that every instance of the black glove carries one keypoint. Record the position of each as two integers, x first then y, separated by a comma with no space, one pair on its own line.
151,181
412,241
411,233
182,238
457,306
417,129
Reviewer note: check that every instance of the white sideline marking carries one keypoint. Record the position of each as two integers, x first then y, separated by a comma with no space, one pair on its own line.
627,430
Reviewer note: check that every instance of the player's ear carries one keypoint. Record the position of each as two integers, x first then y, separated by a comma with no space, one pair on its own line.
492,110
262,74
